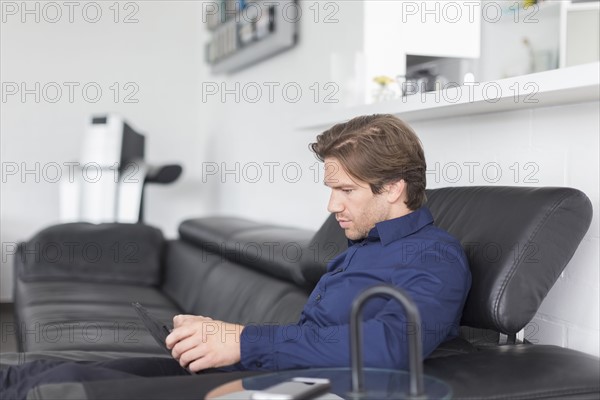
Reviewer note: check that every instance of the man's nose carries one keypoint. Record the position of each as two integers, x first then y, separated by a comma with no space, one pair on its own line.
334,205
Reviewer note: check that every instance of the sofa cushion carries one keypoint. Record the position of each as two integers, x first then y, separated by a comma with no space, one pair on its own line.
8,359
90,327
111,252
519,372
86,316
204,283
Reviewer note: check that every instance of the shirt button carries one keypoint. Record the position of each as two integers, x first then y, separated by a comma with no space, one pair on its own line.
318,298
258,364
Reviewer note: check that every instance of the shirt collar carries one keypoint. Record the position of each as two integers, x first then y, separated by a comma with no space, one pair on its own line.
397,228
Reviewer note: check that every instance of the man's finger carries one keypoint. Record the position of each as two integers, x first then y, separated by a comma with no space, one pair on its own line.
191,356
178,334
178,320
183,345
183,319
200,364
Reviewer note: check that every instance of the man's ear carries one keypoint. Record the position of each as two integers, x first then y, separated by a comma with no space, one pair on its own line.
396,191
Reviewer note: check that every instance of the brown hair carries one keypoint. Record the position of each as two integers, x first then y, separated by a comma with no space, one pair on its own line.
377,149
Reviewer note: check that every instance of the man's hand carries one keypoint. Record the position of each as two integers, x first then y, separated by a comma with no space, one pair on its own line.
199,342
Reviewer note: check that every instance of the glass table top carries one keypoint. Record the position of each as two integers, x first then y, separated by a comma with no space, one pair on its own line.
379,384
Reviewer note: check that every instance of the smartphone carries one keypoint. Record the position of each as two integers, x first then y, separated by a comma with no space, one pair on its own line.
296,389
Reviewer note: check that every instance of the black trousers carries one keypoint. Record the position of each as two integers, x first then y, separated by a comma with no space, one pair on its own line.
16,381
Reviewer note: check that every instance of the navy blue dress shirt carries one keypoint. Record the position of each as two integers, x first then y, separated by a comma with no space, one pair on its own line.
407,252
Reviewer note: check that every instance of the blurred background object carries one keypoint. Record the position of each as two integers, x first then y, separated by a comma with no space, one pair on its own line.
107,183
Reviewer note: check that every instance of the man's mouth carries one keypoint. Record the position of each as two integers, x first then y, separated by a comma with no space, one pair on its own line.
344,223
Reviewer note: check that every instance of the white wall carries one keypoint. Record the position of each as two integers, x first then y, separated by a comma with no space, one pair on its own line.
163,54
262,133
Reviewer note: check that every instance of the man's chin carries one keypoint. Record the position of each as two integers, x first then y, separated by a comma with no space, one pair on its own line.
353,235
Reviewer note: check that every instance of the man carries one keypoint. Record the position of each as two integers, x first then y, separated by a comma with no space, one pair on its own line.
375,168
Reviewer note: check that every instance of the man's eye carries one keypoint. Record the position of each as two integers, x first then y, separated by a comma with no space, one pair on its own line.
347,190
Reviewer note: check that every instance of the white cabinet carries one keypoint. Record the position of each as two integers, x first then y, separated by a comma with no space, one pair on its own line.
580,41
544,36
393,29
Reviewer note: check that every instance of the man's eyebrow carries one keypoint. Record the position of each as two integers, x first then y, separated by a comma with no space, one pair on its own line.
335,185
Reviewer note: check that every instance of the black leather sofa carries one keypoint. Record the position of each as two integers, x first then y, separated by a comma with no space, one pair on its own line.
74,284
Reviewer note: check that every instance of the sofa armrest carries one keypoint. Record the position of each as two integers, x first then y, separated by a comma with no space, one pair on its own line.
296,255
110,252
272,249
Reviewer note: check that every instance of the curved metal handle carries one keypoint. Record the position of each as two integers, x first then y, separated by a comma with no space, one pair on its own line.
415,353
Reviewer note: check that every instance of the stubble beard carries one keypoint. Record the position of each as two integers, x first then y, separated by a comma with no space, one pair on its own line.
365,222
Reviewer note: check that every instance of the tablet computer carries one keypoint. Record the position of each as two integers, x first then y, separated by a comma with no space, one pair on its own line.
157,329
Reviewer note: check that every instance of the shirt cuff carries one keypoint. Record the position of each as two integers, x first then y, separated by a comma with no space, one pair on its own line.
257,347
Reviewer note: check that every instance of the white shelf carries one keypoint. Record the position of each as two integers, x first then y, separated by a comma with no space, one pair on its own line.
575,84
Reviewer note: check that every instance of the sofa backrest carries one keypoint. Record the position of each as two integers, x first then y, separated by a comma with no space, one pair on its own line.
518,241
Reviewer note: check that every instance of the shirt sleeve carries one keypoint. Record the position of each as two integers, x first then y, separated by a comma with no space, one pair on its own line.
439,298
303,346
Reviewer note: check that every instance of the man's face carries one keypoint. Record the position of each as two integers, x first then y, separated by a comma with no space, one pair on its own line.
356,208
